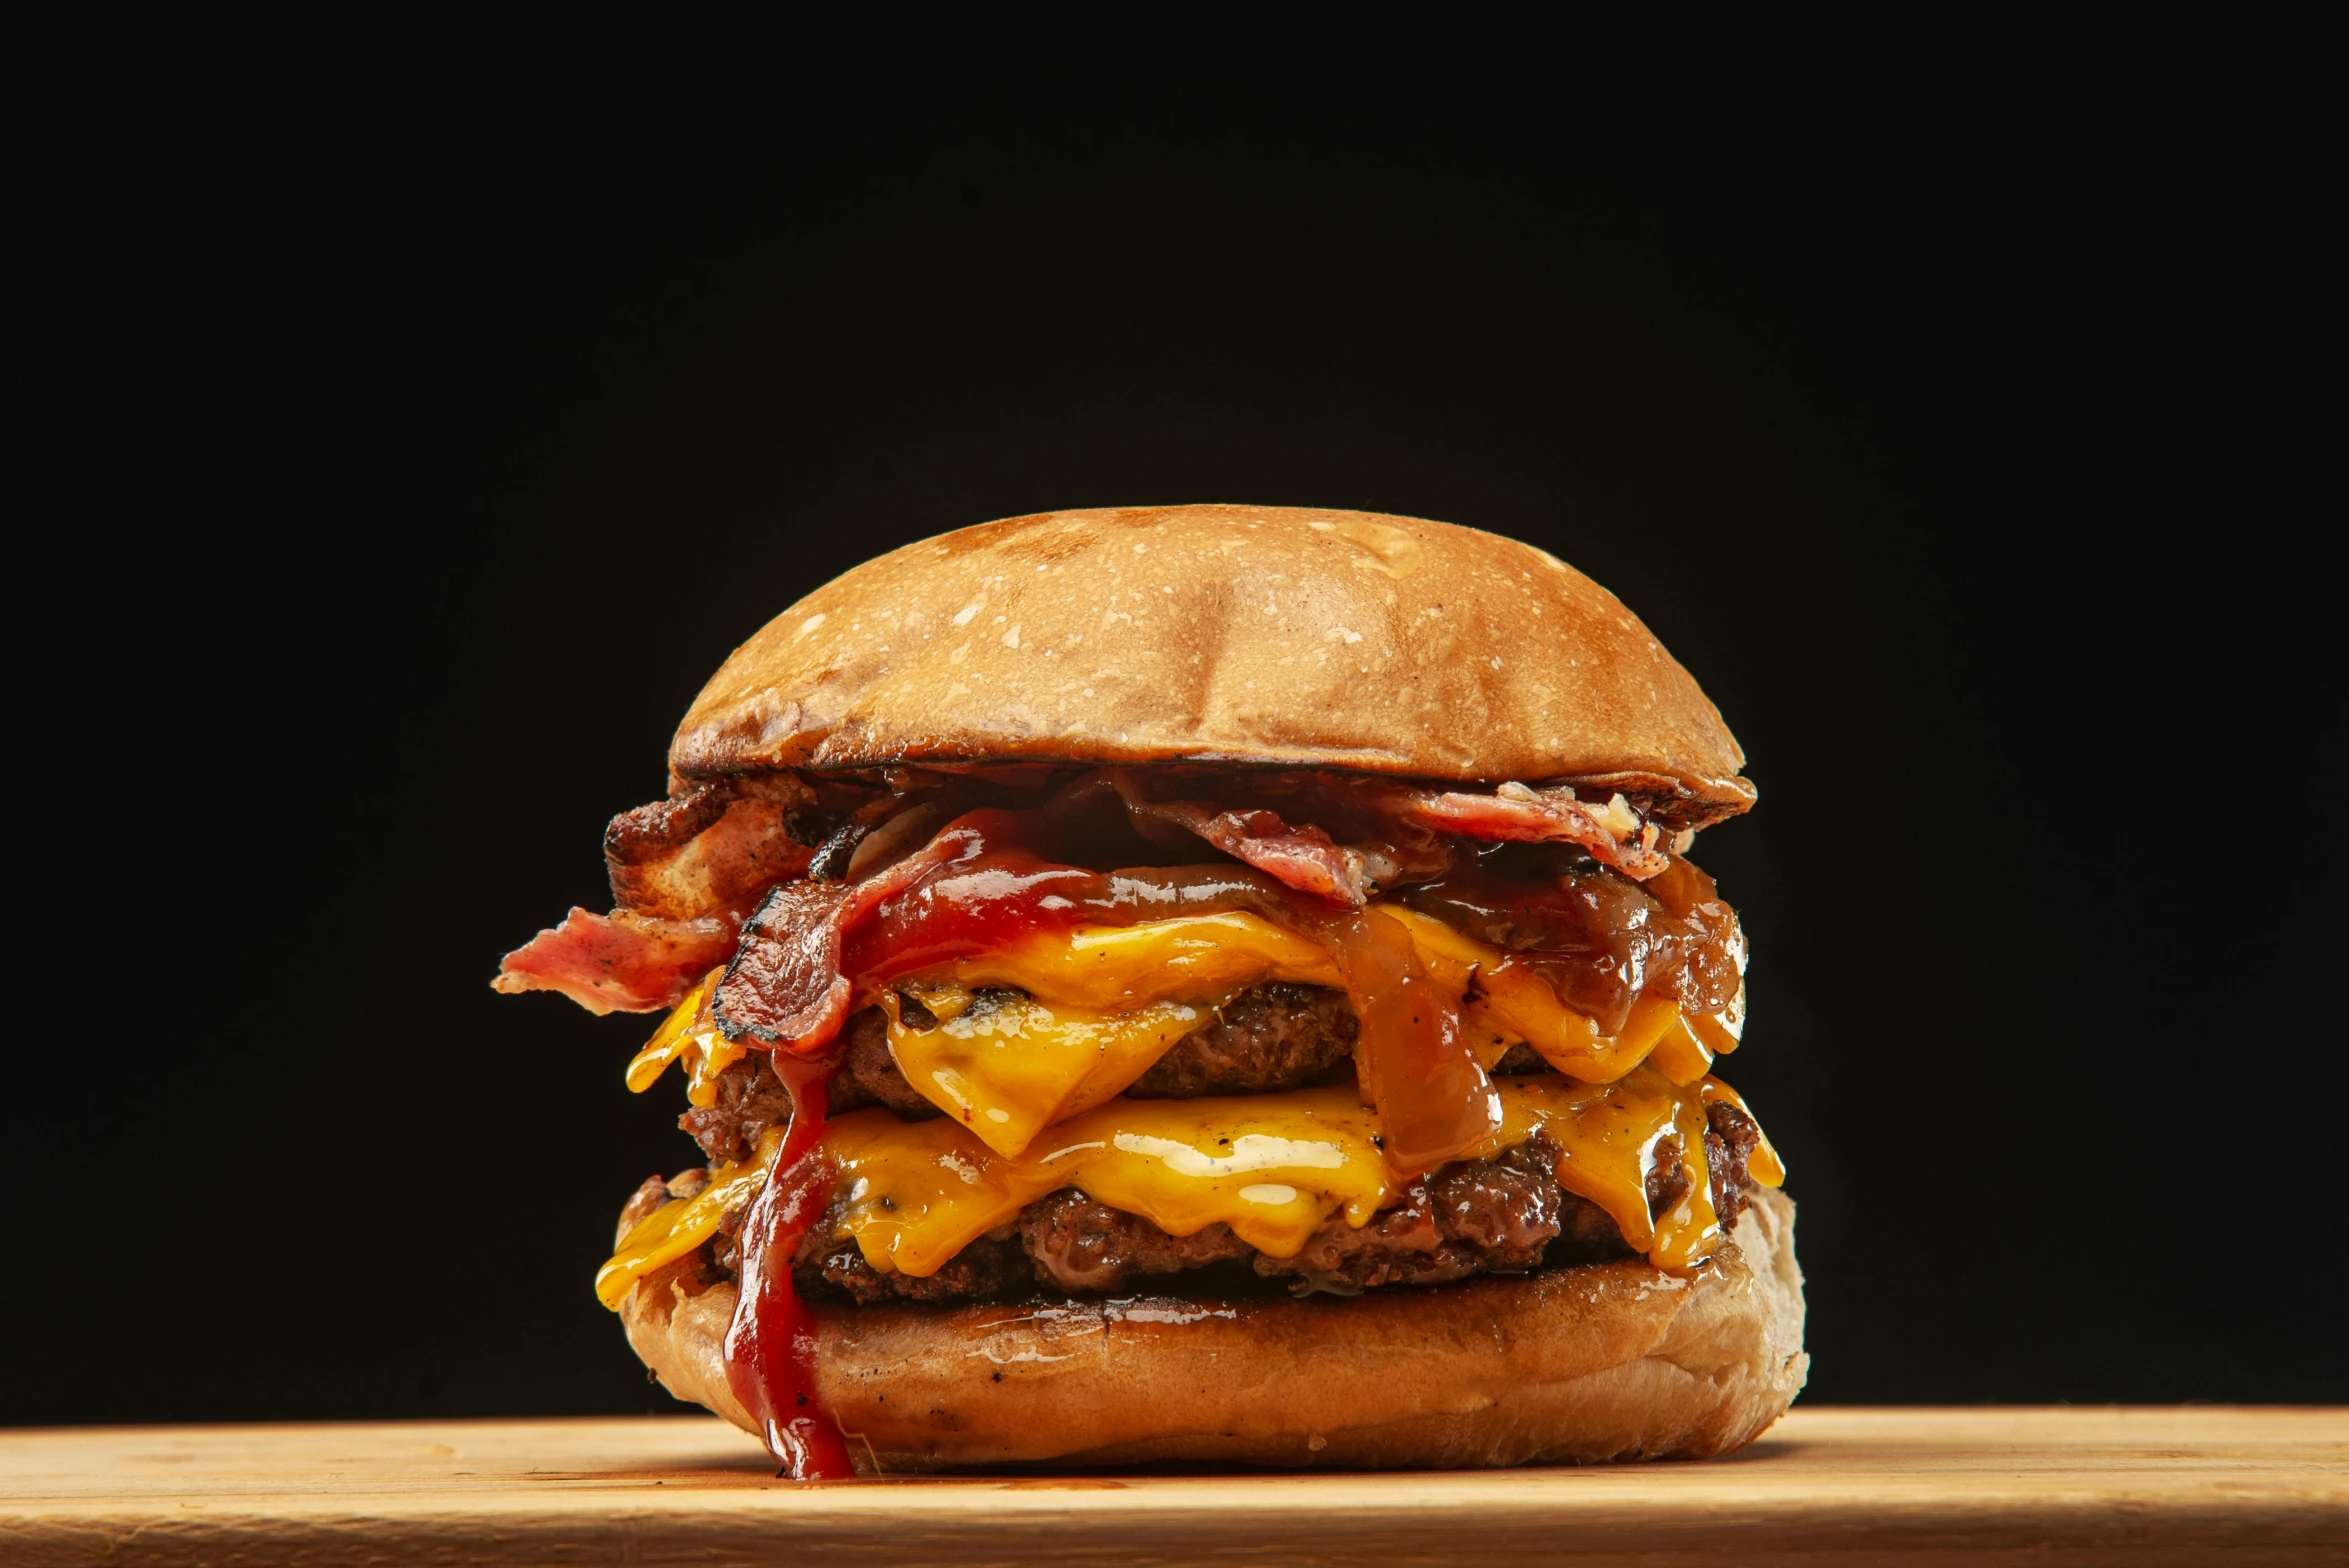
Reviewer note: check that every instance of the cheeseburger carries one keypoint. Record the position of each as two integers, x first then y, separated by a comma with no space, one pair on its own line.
1196,984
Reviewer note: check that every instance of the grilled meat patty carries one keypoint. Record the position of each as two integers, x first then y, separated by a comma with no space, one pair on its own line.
1265,1040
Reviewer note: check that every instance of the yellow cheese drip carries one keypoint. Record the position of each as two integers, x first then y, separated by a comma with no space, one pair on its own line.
1763,1165
682,1224
1724,1029
1509,1002
689,1035
1680,1053
1272,1166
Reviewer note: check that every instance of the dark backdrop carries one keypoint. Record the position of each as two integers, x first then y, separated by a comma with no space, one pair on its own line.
419,418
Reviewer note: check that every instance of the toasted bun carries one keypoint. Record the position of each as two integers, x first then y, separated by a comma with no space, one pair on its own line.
1607,1361
1274,636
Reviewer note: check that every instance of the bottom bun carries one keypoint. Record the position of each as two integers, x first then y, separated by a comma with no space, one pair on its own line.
1605,1361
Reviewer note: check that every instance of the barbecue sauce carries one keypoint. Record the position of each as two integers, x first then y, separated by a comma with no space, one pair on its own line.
771,1344
1434,1098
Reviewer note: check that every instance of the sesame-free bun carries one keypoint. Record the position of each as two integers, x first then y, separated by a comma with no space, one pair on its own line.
1603,1361
1262,635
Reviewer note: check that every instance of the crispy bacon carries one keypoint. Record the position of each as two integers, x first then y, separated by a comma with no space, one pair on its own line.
711,846
684,867
1302,857
784,987
620,962
1397,824
1612,833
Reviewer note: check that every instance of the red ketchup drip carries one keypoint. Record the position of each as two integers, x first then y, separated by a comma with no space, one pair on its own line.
771,1344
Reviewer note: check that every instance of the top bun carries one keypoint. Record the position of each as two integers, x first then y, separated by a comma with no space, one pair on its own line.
1269,636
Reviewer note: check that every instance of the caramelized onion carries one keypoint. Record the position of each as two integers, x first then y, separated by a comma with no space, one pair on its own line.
1600,940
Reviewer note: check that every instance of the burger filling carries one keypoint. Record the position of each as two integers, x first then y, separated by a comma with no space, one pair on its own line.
1504,1215
995,1036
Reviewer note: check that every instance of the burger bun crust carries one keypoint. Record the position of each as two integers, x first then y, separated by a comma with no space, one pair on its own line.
1282,637
1599,1362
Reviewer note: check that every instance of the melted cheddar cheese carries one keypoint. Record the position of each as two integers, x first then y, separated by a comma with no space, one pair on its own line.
1007,1067
692,1036
1274,1167
1508,1002
1105,1002
682,1224
1117,968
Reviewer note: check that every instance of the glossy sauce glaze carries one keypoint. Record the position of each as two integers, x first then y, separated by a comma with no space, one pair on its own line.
771,1344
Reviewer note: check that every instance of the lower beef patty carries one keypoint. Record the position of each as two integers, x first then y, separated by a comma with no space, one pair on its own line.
1501,1216
1506,1215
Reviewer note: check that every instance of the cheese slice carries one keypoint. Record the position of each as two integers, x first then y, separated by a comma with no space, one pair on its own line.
1008,1066
1117,968
1274,1167
1103,1003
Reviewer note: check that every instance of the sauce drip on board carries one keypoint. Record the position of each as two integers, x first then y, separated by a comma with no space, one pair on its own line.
771,1344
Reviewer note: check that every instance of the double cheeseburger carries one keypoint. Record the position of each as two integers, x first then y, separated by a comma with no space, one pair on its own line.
1196,984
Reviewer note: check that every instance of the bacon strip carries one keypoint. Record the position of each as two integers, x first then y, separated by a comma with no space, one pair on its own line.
1515,813
784,987
1305,857
708,847
620,962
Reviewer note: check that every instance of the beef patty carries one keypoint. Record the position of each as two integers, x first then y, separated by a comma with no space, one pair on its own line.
1265,1040
1506,1215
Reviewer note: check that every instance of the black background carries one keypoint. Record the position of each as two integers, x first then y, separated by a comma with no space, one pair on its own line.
418,418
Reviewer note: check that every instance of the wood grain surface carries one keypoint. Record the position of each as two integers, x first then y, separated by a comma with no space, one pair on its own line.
2047,1486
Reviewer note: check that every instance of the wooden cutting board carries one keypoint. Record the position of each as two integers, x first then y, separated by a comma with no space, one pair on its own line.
2053,1486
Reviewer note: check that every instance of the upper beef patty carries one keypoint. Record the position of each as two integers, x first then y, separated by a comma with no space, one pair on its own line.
1263,1041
